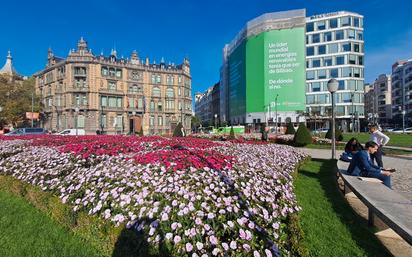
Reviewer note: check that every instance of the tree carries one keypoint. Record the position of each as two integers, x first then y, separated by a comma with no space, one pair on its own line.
290,129
302,136
195,122
16,100
178,130
338,134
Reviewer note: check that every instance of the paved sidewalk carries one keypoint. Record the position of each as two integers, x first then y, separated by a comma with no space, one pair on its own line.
398,148
401,179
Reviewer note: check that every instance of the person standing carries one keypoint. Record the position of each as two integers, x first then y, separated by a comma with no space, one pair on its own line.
381,140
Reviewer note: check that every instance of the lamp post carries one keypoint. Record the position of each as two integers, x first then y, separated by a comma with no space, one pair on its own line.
32,108
353,109
216,120
332,88
403,121
76,119
276,113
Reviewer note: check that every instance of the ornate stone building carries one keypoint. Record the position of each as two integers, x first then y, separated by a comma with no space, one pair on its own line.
114,95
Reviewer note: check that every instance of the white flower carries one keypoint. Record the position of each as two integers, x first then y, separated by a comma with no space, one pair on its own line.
233,245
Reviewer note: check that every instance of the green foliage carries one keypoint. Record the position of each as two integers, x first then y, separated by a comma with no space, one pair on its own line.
16,100
290,130
338,134
141,132
195,121
178,130
232,133
302,136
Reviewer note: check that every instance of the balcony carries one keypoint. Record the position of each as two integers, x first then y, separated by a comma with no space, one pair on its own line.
75,88
111,91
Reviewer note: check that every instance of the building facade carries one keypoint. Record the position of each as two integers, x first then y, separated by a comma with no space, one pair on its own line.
335,49
207,105
263,71
378,100
111,95
402,91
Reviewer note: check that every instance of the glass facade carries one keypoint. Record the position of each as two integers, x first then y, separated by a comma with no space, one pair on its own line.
335,49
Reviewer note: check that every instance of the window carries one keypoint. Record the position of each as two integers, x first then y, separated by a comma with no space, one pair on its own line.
339,35
322,74
310,51
316,87
310,75
345,21
139,103
351,34
327,61
156,92
346,97
346,47
356,48
170,92
356,22
119,121
112,72
340,60
356,72
333,23
170,104
360,60
316,63
153,79
160,120
152,106
309,27
118,73
159,106
334,73
346,72
80,121
352,59
333,48
310,99
315,38
351,84
84,99
322,49
340,110
103,121
151,121
321,98
119,102
321,25
341,85
327,36
158,79
105,72
104,101
360,35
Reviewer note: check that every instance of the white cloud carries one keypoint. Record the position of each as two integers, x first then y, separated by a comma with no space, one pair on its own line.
380,59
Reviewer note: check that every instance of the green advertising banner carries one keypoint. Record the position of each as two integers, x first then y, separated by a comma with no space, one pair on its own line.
275,66
237,86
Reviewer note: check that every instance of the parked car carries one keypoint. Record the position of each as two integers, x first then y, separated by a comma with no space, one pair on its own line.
26,131
400,131
320,131
72,132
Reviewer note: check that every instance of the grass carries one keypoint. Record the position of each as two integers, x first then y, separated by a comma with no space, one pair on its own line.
330,225
401,140
26,231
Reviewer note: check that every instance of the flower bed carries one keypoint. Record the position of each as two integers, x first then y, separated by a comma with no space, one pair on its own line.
196,196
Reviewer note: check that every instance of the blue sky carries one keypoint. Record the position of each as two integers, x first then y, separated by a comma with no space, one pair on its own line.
175,29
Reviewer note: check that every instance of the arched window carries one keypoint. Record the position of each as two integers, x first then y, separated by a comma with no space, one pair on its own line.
170,92
156,91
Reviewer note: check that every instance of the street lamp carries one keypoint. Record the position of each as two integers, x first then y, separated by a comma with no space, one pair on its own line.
77,113
403,121
353,111
216,120
332,88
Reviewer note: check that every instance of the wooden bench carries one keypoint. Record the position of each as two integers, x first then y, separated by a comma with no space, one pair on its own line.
392,208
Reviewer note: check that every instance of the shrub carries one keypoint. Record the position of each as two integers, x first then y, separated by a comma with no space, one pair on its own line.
290,129
302,136
178,130
338,134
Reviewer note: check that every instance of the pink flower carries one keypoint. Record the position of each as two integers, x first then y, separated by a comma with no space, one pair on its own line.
177,239
213,240
189,247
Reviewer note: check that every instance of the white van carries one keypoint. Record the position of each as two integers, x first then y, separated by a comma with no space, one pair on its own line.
72,132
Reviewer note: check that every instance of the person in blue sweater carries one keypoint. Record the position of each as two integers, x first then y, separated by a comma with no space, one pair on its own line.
361,165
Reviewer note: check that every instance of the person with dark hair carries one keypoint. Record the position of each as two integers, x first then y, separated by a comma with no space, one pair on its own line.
362,165
381,140
351,148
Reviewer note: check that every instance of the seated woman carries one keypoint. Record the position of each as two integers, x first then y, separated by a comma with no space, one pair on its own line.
352,147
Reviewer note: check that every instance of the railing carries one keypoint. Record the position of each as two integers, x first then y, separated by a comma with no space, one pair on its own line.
111,91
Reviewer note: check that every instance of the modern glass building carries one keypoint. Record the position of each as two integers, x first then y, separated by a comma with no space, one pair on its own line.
335,49
402,91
